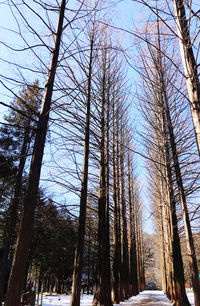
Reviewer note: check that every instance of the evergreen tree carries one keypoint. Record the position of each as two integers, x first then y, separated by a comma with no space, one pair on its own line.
15,145
53,247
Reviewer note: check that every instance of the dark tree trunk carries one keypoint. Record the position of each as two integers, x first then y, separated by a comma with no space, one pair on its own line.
78,262
117,243
186,220
103,291
137,236
12,214
16,281
107,182
179,281
89,259
125,257
163,241
141,256
172,144
133,251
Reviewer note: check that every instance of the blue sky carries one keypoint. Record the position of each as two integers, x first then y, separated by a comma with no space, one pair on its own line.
124,14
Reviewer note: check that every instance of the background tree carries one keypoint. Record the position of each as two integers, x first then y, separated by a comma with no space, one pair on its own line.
78,262
186,20
103,291
17,135
53,247
161,112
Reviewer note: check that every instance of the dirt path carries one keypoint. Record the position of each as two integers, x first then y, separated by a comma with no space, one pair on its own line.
148,298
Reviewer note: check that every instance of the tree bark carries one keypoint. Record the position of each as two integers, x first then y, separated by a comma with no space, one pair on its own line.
10,227
117,243
107,181
186,220
118,195
133,255
103,291
16,281
125,253
190,66
78,261
179,283
164,251
178,276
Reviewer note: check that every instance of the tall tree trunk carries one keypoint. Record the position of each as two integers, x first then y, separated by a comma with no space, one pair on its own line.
16,281
133,255
107,174
179,281
190,66
162,207
125,253
119,240
168,238
141,260
137,242
11,219
118,230
103,291
117,248
186,220
78,262
89,257
139,245
178,294
162,229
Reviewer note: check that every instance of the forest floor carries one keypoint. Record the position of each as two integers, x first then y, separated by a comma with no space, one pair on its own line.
145,298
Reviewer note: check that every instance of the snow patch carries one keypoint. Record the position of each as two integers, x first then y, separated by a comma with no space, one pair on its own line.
150,297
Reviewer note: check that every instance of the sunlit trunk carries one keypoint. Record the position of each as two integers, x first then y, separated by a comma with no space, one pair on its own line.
190,69
179,294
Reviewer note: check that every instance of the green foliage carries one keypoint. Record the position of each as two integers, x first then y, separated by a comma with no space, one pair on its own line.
54,241
16,138
21,117
25,107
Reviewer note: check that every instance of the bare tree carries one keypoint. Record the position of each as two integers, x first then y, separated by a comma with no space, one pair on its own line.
132,233
157,94
76,287
125,254
16,281
190,66
103,290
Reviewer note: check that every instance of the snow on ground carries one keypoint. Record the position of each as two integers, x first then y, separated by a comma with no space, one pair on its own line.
153,298
64,300
148,297
191,297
